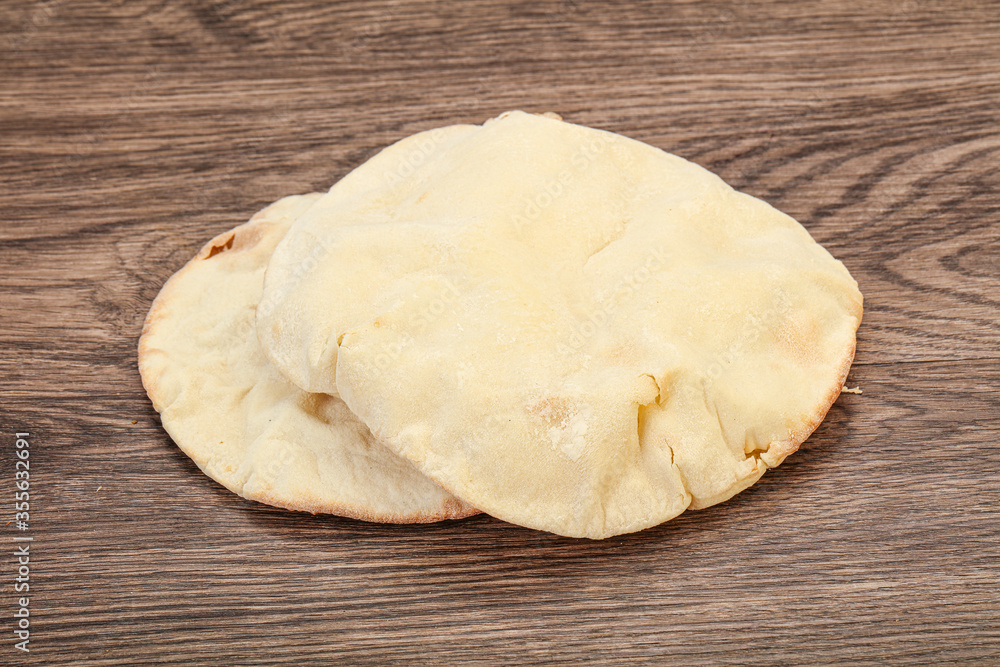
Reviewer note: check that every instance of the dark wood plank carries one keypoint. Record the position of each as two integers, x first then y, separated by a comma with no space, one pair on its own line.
896,145
877,540
132,132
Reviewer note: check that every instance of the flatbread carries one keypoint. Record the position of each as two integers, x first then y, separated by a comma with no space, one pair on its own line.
243,424
569,329
301,359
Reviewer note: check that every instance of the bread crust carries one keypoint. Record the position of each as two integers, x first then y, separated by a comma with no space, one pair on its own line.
161,363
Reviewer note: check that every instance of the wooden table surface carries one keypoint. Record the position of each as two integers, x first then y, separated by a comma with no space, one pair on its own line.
131,132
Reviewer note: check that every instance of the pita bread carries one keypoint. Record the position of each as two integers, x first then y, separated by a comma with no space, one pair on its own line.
569,329
301,358
242,422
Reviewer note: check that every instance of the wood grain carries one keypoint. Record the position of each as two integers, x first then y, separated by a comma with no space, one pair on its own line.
133,132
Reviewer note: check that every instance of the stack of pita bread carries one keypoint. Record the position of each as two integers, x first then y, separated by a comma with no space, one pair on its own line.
562,327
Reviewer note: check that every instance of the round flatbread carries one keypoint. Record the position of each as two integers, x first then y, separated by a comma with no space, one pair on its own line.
569,329
301,359
246,426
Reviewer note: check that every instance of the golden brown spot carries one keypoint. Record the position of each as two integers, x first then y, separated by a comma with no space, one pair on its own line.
554,410
216,249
